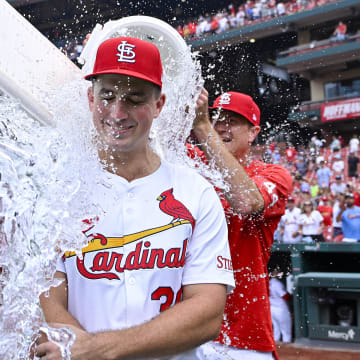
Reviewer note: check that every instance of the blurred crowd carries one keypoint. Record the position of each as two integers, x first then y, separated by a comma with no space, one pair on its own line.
71,48
325,203
225,19
238,16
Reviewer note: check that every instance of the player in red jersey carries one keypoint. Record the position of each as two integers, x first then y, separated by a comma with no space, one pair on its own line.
254,203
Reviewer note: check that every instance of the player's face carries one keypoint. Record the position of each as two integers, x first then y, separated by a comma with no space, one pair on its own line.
123,109
236,132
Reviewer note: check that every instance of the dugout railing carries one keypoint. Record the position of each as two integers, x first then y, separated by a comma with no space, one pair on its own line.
325,280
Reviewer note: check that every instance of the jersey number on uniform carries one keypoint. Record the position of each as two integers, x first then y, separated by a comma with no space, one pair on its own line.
270,187
168,293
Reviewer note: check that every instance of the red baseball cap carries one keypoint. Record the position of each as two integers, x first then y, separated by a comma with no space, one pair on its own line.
128,56
239,103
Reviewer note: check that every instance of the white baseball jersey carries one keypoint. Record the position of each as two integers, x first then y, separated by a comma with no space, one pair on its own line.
156,234
311,224
280,313
290,222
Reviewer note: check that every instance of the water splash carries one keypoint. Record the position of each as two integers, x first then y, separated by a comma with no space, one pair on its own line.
47,178
51,180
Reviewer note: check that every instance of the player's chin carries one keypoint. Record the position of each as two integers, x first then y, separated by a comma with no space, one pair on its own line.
125,145
120,146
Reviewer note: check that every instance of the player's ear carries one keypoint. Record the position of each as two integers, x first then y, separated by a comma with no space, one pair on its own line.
253,133
90,94
160,102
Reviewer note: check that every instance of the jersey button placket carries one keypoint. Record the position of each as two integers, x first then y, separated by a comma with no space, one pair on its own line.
130,195
129,279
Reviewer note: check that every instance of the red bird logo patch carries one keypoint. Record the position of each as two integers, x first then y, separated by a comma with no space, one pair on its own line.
169,205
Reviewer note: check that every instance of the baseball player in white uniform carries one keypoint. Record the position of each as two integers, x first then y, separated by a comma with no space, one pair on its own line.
280,312
153,278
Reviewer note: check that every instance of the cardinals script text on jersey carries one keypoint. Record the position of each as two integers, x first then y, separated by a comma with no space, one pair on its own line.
109,265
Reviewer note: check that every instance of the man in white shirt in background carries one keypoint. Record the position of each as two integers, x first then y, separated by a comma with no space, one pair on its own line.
354,144
338,165
280,7
338,186
289,223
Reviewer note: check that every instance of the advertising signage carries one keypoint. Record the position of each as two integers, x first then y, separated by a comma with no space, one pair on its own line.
340,110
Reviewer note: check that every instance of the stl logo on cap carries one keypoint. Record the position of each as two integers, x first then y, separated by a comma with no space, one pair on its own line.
225,99
128,56
239,103
126,53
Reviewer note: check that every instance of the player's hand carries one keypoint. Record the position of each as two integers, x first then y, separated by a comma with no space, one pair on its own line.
42,338
48,351
80,350
202,109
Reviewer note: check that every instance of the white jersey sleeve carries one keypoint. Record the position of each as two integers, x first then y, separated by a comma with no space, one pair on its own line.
209,259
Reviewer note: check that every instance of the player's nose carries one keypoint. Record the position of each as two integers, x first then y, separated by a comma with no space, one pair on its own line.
119,110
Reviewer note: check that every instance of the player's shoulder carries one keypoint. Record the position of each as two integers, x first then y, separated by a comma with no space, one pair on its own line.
261,166
277,168
298,211
267,169
192,189
185,174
